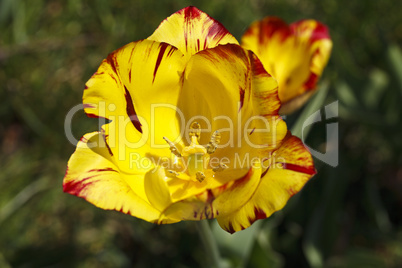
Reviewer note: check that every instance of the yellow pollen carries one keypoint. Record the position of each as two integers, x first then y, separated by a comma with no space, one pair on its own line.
219,168
200,176
195,131
213,143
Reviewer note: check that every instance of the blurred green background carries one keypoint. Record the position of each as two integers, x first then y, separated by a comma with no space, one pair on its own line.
347,216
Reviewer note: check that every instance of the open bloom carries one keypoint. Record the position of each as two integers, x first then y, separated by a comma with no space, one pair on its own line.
194,131
295,55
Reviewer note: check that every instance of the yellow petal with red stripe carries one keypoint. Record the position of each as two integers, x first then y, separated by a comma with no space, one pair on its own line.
287,171
216,82
93,174
295,55
317,35
137,87
191,30
266,105
228,86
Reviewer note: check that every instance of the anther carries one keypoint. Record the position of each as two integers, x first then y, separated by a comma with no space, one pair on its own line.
195,130
178,175
200,176
213,143
219,168
173,147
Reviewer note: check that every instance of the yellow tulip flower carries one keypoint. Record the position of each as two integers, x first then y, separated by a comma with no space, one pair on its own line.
194,131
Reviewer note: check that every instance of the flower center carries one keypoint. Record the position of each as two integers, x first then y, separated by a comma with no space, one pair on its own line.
193,160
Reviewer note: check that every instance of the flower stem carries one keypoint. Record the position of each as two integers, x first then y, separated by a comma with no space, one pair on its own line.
209,242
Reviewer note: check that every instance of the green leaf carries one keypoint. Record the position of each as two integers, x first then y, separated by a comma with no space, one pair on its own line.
395,58
315,104
240,243
346,95
378,82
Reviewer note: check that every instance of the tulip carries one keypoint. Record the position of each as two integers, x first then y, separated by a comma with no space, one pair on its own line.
194,131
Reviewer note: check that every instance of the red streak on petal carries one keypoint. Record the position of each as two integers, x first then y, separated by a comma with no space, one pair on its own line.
111,59
222,188
300,169
320,32
102,169
171,51
162,50
208,212
228,52
242,91
259,214
108,148
114,78
216,32
258,68
210,197
88,105
270,26
265,172
311,82
90,115
291,191
230,228
190,13
240,182
107,145
76,187
131,111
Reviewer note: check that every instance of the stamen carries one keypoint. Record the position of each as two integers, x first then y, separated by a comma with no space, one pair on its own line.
173,173
195,130
219,168
173,147
213,143
178,175
200,176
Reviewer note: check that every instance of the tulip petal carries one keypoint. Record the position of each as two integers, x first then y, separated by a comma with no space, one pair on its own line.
93,174
216,82
214,202
231,90
157,189
137,87
250,113
295,55
191,30
266,104
290,167
317,35
181,189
